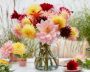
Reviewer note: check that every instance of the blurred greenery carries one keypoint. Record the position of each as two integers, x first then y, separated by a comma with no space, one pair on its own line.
85,64
81,20
5,68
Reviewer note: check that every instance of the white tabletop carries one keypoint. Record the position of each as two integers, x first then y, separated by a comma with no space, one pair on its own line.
30,67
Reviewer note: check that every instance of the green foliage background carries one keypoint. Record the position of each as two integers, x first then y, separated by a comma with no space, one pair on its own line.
5,68
81,20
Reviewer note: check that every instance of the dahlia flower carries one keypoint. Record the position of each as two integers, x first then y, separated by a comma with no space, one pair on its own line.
34,8
4,62
18,48
72,65
65,32
46,6
18,16
70,32
17,30
74,34
65,13
6,49
65,9
48,31
60,21
15,15
29,31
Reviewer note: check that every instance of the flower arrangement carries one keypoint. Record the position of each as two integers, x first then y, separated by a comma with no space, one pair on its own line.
45,23
4,66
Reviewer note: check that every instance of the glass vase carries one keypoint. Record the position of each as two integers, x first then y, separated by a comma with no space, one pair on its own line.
45,59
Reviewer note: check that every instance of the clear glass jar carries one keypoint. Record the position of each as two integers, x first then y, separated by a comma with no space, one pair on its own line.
45,59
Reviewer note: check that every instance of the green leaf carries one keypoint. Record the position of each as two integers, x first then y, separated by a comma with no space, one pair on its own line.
17,55
25,55
80,63
87,62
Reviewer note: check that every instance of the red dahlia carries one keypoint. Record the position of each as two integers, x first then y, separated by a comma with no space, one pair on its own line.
15,15
46,6
18,16
72,65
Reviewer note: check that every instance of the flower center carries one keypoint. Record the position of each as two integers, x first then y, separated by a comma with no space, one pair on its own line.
47,30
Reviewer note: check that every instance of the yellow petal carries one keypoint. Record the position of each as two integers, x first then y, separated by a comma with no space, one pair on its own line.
33,9
61,21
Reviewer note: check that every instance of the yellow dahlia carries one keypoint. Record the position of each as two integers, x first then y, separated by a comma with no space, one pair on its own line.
59,20
29,31
18,48
74,32
33,9
4,61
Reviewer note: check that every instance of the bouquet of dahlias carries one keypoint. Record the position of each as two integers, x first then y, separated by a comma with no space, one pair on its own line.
45,23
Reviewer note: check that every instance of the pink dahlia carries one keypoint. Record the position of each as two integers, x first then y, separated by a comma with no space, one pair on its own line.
17,30
6,49
48,31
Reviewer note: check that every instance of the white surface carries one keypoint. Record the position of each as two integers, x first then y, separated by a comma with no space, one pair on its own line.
30,67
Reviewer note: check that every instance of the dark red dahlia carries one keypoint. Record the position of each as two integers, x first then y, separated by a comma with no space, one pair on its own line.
46,6
15,15
72,65
67,10
65,32
41,18
18,16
